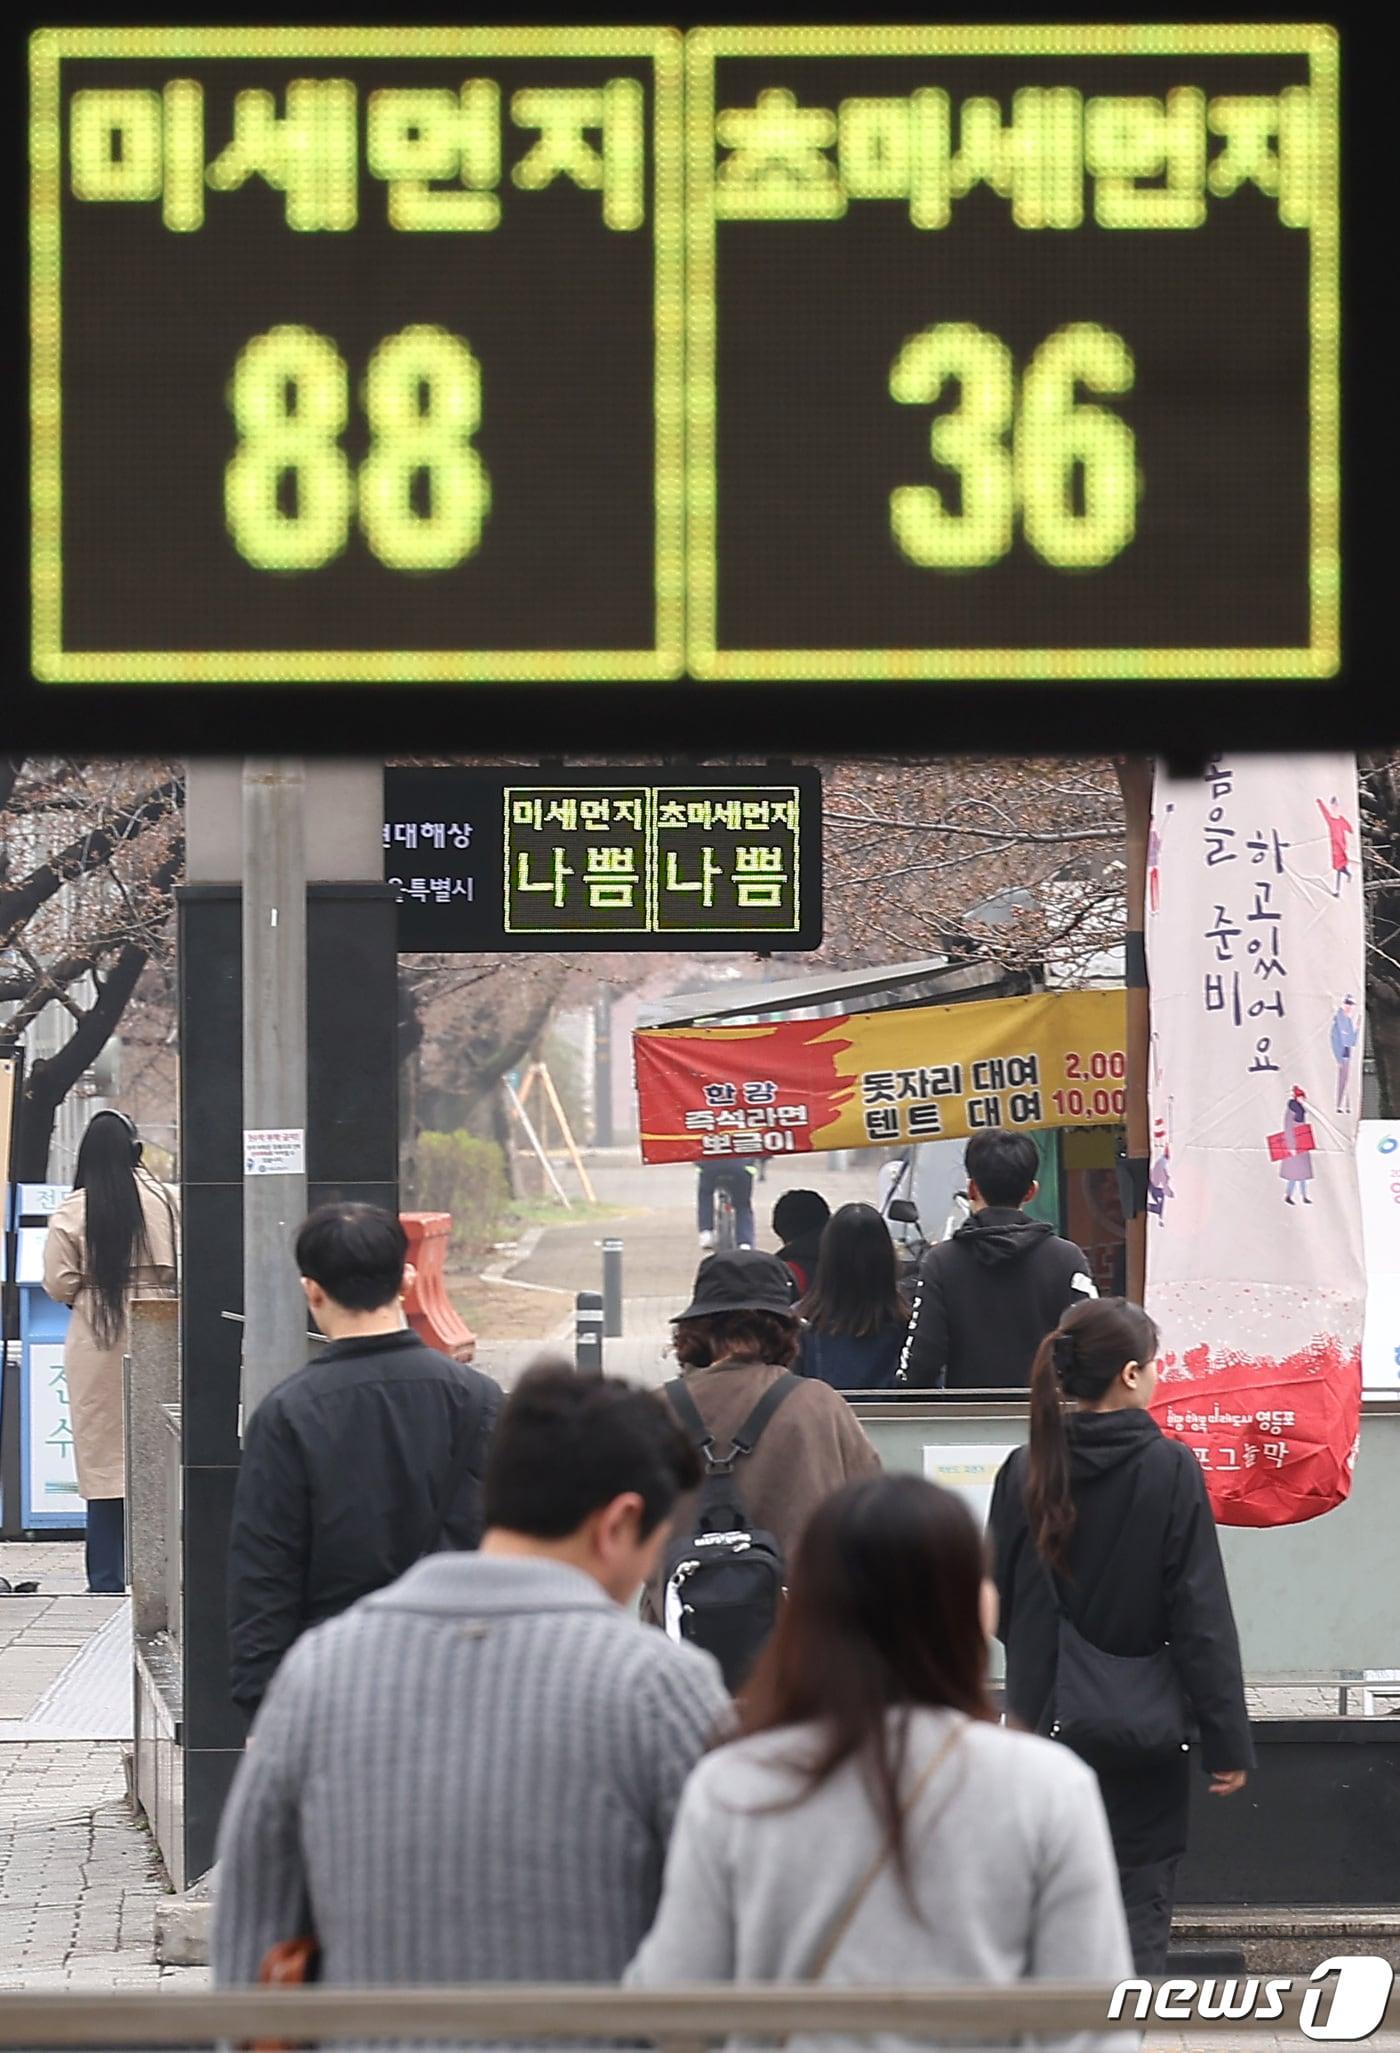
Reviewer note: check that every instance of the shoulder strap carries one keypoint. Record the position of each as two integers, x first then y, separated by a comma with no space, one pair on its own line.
463,1448
748,1435
868,1880
688,1412
751,1432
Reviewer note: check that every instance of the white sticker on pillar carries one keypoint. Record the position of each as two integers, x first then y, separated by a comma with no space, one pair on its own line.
274,1151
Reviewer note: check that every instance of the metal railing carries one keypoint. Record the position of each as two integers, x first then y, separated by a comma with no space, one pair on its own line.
676,2020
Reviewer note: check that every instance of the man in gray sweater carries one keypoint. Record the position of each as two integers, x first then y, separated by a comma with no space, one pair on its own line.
472,1775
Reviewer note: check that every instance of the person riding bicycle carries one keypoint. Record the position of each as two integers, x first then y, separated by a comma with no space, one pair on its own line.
737,1178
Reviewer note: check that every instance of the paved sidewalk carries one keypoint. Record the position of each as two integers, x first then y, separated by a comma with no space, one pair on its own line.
65,1667
79,1874
79,1877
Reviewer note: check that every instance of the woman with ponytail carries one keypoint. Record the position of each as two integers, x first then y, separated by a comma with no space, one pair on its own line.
114,1239
1103,1533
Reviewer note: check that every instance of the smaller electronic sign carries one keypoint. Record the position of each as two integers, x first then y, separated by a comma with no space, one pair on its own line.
615,858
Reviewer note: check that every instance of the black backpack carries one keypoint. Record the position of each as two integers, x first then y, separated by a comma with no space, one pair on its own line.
724,1582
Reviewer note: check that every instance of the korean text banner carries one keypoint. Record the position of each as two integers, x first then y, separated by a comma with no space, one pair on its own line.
1378,1173
1255,1270
881,1079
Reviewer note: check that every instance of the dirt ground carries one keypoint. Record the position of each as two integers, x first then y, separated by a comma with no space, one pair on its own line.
505,1311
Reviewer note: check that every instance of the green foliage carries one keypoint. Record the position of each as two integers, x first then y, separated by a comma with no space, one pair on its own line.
548,1211
460,1174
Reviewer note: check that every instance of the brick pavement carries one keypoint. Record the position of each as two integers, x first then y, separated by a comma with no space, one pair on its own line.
79,1875
1254,2042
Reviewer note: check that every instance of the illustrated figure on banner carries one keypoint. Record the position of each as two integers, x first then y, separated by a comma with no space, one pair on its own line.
1159,1176
1292,1149
1338,829
1154,860
1345,1034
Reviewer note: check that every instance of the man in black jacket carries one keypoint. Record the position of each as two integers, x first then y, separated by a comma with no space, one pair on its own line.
357,1464
799,1220
988,1295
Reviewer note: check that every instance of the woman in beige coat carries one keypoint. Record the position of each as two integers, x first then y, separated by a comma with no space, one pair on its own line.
114,1239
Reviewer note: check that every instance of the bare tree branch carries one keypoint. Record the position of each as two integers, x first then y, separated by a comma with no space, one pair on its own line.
87,853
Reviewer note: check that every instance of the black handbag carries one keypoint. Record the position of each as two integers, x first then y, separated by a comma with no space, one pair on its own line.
1117,1710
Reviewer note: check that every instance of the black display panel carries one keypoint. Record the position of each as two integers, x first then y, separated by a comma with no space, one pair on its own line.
1013,352
357,354
618,858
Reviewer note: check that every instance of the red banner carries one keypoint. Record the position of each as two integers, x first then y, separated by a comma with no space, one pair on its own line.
881,1079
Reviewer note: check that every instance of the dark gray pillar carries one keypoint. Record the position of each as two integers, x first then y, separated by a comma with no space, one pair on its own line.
351,1151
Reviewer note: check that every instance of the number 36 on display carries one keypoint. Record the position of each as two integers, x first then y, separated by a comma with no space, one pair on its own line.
1052,439
423,493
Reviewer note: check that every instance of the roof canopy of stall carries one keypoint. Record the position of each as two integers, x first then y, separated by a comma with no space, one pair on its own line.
933,980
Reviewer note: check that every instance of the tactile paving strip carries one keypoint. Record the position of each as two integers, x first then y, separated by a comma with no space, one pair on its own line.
91,1698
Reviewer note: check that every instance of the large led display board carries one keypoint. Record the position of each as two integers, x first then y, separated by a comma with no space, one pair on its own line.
604,355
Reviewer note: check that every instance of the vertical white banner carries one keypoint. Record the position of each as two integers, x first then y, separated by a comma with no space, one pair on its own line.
1378,1166
1255,1270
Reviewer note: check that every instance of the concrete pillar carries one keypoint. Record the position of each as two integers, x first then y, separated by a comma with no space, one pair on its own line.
274,1065
153,1379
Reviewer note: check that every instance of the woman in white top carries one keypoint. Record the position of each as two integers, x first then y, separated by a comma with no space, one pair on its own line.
866,1726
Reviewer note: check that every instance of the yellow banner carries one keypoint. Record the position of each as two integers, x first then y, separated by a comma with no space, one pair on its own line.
882,1079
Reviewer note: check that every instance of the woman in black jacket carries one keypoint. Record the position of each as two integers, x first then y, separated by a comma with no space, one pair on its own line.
1117,1514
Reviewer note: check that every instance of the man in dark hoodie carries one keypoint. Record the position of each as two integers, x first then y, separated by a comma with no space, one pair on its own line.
988,1295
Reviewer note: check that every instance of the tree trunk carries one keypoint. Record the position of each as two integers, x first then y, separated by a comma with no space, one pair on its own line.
1135,783
47,1084
1383,1036
486,1071
410,1049
504,1137
1380,811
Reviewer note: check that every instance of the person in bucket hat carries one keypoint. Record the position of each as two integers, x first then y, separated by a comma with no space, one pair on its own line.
736,1338
740,1280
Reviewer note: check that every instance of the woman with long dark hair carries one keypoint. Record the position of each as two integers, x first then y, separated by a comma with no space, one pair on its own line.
1104,1534
873,1823
854,1319
114,1239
